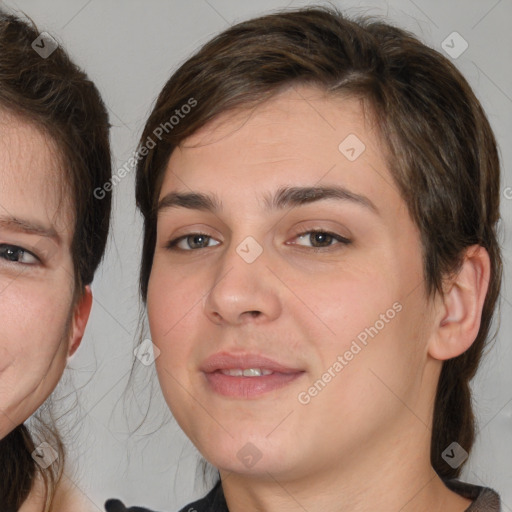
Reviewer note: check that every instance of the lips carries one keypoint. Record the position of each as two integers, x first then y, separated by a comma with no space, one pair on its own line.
246,375
227,361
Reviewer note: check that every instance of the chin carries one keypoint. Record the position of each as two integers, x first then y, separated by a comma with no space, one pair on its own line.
254,456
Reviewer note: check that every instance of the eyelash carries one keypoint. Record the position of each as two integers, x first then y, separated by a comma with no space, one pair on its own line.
172,244
4,248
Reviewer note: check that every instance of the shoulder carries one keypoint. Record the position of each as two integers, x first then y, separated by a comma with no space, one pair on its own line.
484,498
69,497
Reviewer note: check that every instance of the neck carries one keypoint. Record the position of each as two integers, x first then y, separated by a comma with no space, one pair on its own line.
36,499
396,477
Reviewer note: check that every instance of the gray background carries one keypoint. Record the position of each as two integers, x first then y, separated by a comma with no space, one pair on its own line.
129,49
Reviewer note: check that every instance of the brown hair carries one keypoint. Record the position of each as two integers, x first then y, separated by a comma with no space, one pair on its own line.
442,152
54,95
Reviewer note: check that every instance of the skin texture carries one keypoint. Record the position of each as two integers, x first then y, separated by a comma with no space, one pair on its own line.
67,498
368,430
41,322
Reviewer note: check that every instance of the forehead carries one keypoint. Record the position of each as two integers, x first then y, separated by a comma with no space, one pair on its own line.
31,174
303,136
304,118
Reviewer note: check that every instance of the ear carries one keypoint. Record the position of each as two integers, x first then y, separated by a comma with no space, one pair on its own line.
80,317
459,310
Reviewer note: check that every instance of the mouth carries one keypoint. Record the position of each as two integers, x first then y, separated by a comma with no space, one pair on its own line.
247,376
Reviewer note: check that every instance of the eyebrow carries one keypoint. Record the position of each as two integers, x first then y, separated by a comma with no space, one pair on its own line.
28,227
285,197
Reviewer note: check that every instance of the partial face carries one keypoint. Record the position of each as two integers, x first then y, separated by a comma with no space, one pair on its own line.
286,294
36,271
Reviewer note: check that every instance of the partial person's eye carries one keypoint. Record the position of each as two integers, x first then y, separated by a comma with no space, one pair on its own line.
15,254
191,242
318,239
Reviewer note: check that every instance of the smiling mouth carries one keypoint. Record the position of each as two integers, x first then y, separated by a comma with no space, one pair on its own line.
246,376
248,383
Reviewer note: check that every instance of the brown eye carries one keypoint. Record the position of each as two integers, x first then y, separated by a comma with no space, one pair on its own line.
197,241
320,239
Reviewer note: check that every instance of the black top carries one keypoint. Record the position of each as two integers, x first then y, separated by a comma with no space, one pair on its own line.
484,500
213,502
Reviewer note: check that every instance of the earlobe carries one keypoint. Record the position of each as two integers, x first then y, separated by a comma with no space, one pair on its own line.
80,318
460,308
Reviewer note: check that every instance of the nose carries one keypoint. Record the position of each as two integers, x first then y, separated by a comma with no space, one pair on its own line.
244,290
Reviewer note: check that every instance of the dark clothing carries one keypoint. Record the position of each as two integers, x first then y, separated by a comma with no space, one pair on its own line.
484,500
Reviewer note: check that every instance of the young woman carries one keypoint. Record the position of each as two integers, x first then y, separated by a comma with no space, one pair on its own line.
320,264
54,152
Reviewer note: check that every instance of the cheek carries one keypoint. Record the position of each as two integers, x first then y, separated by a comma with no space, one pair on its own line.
362,322
32,340
342,306
172,304
376,356
175,308
172,298
167,318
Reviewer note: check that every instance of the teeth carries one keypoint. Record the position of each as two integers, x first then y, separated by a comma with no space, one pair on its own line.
252,372
249,372
233,373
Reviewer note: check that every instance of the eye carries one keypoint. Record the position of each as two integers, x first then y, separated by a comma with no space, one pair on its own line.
15,254
191,242
320,239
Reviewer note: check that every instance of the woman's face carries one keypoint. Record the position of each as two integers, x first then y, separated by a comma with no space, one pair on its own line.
38,325
286,351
